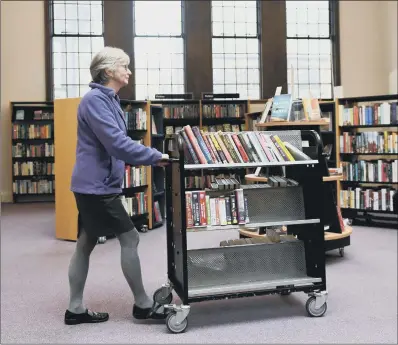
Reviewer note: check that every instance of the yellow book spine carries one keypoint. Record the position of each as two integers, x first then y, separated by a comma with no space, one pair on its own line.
283,147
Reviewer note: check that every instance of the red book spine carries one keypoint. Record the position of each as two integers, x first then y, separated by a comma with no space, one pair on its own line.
202,207
238,144
195,145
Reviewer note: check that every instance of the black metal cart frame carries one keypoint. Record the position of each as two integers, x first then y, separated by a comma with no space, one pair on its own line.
252,269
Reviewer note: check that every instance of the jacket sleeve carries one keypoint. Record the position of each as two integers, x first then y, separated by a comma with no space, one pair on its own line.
103,123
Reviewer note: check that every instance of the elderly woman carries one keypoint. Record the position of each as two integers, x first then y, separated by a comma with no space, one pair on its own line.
103,148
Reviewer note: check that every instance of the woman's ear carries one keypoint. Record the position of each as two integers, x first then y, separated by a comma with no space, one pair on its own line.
108,72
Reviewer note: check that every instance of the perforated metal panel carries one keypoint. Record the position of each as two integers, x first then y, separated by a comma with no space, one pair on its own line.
274,204
291,136
247,267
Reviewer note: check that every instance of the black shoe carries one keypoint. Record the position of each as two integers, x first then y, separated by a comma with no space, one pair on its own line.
87,317
149,313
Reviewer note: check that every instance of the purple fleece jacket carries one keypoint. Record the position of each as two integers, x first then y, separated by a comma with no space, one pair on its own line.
103,146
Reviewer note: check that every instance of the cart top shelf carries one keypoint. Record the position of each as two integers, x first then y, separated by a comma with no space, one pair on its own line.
246,165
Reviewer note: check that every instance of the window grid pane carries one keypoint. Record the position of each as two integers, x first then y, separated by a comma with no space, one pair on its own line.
165,18
309,48
236,54
76,38
159,66
158,49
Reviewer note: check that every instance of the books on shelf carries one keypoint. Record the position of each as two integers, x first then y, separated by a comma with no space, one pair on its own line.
181,111
369,142
135,205
281,107
32,168
203,210
371,171
136,119
157,213
214,182
32,131
368,114
368,199
134,176
22,150
41,186
241,147
223,110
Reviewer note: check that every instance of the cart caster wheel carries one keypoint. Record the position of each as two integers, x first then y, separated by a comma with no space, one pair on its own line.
101,239
173,326
341,251
144,228
312,310
158,297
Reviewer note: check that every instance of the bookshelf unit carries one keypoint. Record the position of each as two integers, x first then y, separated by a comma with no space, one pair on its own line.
157,192
32,152
136,185
137,179
367,149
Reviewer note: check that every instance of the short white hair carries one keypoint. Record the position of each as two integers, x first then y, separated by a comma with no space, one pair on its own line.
109,58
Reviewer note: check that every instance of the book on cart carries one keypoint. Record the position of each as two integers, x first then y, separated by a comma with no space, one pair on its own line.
237,147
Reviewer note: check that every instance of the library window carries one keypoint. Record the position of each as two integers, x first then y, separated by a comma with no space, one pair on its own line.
158,48
236,48
77,34
309,48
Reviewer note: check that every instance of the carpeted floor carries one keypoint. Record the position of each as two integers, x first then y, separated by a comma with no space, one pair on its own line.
362,304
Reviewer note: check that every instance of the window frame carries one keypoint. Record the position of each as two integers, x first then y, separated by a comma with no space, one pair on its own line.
256,37
181,36
334,39
49,27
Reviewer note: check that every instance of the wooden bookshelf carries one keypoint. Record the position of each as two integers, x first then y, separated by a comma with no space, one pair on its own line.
65,139
349,122
65,134
32,151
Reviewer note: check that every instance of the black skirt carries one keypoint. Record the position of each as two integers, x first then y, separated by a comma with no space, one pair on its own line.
102,215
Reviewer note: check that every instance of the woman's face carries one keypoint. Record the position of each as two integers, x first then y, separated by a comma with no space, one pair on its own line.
122,75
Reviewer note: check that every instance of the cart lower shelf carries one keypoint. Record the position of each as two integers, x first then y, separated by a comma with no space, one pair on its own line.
247,268
263,283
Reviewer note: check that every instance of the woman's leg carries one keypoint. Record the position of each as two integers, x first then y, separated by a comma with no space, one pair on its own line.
78,270
131,267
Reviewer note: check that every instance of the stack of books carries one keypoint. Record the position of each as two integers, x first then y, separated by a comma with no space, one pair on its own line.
203,210
231,147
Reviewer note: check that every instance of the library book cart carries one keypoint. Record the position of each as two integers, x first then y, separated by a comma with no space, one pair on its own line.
296,264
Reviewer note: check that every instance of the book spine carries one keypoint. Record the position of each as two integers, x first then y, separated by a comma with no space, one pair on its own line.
228,210
218,148
246,147
222,211
208,214
240,205
283,148
235,148
228,146
224,149
202,144
264,146
196,208
188,202
190,147
195,144
239,146
213,153
213,220
247,220
234,214
202,207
